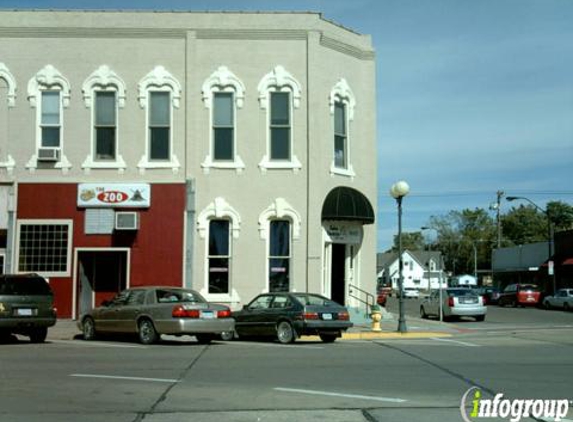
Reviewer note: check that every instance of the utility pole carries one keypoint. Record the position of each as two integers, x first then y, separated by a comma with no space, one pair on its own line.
496,206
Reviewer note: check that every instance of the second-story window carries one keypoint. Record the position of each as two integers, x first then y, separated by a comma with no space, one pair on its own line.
340,136
159,125
105,125
280,126
223,127
50,121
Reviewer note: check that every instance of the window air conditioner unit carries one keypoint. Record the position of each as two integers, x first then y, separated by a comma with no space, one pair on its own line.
126,220
48,154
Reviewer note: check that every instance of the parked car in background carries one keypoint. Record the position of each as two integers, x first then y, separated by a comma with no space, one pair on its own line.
456,302
563,299
26,306
490,294
411,293
149,312
287,316
520,295
382,297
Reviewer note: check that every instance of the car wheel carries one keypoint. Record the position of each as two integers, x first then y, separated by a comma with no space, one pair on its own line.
88,329
285,332
204,338
566,307
147,333
480,318
227,335
546,305
38,335
328,338
423,313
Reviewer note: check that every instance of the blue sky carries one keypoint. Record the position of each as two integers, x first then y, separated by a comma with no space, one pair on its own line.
474,96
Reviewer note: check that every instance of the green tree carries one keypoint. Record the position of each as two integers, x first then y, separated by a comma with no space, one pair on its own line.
464,236
413,241
561,215
524,224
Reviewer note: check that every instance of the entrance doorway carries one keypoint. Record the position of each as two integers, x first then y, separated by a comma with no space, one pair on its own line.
338,273
101,274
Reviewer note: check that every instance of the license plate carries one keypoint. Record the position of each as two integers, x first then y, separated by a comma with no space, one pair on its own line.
327,317
24,312
530,299
208,314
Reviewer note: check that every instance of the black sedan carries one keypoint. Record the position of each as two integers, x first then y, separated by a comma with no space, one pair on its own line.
288,316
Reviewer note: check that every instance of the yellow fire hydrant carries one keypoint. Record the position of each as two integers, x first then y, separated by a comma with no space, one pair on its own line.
376,315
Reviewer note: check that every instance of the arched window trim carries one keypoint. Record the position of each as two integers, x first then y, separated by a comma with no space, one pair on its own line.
159,79
47,79
341,92
219,209
279,209
103,79
11,82
223,80
279,80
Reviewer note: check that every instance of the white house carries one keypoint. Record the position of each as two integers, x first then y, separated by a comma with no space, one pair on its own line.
421,269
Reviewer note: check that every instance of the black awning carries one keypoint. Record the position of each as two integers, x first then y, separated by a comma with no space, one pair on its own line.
347,204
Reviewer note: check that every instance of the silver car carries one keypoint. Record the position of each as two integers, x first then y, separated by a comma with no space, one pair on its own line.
563,299
456,302
152,311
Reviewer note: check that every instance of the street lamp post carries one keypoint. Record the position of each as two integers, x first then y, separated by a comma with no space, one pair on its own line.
549,235
398,191
440,282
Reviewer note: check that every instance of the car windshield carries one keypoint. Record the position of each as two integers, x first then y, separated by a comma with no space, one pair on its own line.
25,287
314,300
529,287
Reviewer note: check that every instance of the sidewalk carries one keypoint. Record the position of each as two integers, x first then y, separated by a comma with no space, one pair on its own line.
67,329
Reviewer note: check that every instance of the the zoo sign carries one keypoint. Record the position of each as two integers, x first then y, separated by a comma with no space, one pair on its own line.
134,195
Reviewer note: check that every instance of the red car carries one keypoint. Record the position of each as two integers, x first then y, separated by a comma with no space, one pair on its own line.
520,295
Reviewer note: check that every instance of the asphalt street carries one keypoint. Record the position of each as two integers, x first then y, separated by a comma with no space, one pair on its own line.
419,378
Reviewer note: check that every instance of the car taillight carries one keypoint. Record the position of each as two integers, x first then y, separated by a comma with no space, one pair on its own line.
450,301
310,315
180,312
343,316
225,313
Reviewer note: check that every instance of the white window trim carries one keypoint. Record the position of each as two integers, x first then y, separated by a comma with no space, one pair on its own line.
5,74
11,82
48,79
341,92
223,81
103,79
221,210
159,80
279,80
3,257
280,209
68,222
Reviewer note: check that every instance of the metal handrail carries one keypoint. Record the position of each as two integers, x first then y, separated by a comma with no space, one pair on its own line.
368,302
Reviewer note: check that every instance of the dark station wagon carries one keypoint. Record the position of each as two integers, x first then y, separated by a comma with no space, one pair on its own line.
26,306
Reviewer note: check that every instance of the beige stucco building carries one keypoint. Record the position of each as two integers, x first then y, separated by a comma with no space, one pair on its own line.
234,153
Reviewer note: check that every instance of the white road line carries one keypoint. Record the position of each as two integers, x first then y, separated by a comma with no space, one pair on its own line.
124,378
461,343
350,396
98,344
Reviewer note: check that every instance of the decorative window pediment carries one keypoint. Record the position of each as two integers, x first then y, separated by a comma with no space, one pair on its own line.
11,82
220,209
278,80
342,92
49,78
279,209
223,80
103,79
159,78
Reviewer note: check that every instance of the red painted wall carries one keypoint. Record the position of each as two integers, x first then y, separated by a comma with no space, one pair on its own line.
156,248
